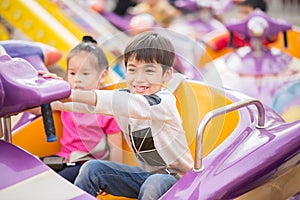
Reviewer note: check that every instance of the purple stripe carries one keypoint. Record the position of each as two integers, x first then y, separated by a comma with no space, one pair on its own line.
16,165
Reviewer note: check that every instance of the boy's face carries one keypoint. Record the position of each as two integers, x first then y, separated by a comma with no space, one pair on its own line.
82,72
145,78
244,11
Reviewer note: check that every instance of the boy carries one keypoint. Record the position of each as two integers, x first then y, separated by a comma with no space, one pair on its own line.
148,117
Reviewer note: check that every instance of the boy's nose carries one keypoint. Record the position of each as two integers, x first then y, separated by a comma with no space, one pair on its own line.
140,76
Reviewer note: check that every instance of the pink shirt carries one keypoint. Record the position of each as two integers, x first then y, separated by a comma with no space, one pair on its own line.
82,132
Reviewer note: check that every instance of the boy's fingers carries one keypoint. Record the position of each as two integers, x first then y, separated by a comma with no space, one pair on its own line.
102,192
41,72
49,75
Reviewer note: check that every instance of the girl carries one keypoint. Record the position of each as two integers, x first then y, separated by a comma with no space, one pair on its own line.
87,136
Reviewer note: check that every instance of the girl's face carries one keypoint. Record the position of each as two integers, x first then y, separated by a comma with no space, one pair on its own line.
82,72
145,78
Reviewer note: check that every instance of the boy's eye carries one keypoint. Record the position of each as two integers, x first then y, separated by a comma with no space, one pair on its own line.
72,73
86,74
149,70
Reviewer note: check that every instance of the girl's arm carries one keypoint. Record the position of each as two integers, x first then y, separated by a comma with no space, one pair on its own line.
115,145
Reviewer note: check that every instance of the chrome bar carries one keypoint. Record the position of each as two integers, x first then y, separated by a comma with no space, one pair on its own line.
219,111
1,129
6,127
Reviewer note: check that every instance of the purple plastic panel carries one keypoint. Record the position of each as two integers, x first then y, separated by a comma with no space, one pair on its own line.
36,53
24,88
193,5
22,49
260,22
244,161
121,22
16,165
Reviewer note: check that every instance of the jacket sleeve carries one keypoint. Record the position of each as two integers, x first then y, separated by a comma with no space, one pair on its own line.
124,104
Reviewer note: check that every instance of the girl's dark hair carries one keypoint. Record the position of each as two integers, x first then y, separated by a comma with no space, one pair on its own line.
89,44
261,4
88,38
151,47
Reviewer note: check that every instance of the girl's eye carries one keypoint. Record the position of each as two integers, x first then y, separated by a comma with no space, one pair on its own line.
72,73
86,74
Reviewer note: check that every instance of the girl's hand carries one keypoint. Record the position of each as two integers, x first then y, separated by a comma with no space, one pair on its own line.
49,75
35,111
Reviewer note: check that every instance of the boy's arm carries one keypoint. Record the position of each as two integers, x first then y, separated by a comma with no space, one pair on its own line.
83,96
118,103
78,101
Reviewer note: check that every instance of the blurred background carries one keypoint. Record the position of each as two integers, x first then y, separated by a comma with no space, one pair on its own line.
285,9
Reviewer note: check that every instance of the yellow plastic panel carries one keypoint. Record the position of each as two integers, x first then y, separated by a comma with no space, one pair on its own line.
293,37
32,137
39,25
64,15
194,100
4,34
56,12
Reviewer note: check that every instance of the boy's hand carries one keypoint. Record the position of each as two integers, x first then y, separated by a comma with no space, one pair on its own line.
54,76
49,75
68,99
102,193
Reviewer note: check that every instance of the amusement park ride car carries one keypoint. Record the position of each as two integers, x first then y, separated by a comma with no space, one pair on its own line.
240,146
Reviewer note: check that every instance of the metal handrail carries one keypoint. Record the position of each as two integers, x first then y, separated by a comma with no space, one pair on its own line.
6,128
219,111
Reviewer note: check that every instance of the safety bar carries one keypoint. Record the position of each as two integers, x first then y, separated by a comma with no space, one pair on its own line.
6,128
219,111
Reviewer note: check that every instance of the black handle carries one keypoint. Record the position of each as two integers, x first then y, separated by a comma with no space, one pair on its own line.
48,123
285,40
230,45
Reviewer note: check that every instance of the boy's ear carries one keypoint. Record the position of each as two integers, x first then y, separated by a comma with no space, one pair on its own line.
102,78
168,75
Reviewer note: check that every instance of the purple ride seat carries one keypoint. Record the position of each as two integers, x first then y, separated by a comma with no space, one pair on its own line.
24,88
24,176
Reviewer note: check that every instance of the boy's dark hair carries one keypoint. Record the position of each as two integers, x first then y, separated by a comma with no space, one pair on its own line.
151,47
89,45
261,4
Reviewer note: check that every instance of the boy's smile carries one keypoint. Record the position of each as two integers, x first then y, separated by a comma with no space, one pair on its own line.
145,78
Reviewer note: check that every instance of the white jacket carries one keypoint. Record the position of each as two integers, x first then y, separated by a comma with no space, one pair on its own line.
151,125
